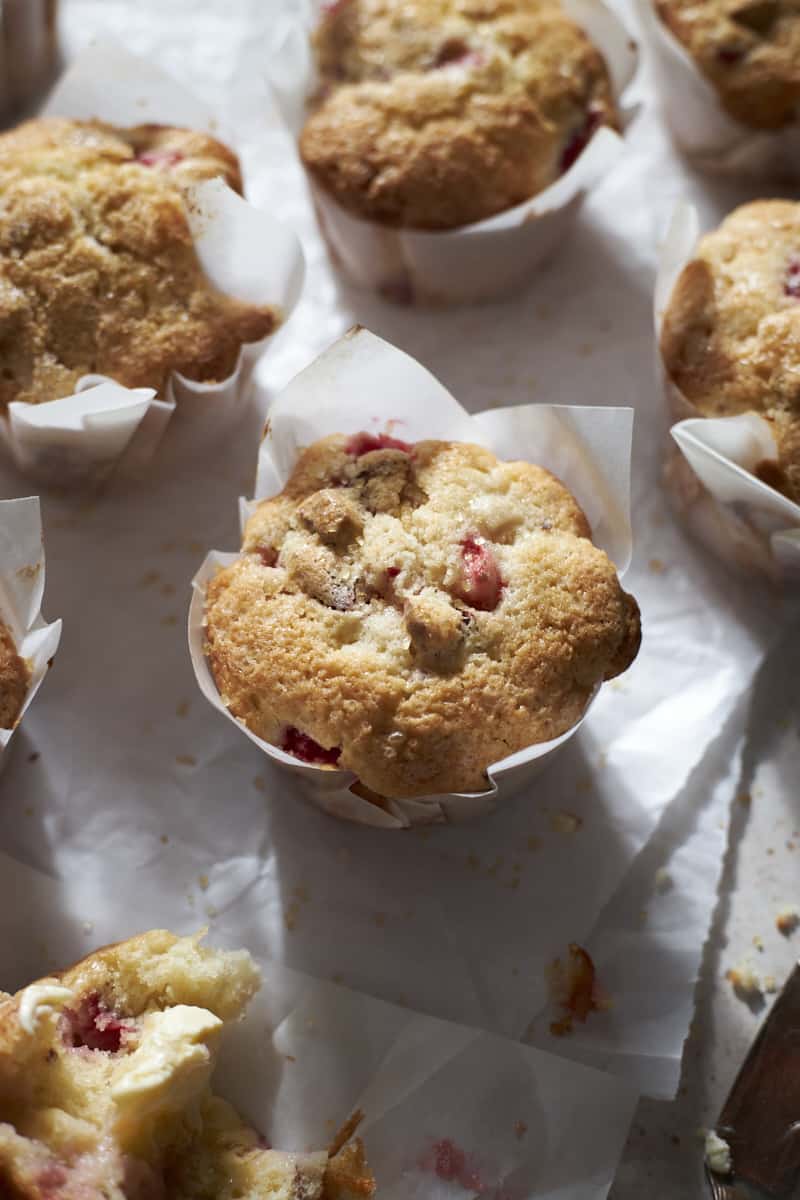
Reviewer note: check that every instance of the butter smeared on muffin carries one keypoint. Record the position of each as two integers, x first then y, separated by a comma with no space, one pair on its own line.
433,114
98,270
730,339
105,1086
415,613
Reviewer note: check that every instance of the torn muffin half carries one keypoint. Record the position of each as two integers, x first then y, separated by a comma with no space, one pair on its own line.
105,1086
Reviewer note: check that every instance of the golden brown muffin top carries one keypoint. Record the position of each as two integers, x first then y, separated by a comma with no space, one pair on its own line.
98,271
438,113
731,333
748,49
15,677
415,613
105,1086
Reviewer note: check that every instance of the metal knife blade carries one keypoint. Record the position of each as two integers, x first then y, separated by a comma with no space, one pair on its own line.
760,1120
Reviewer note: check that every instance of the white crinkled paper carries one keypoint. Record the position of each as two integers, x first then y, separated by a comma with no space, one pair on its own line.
362,383
144,807
739,515
245,252
477,261
21,592
309,1053
710,138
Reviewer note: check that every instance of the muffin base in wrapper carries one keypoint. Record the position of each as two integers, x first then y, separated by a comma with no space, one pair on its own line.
709,476
362,382
711,139
79,439
21,591
474,262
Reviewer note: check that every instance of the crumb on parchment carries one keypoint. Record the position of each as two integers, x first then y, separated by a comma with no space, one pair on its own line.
574,989
787,920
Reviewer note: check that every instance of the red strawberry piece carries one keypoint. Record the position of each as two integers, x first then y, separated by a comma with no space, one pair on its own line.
159,158
268,555
580,137
730,54
481,584
307,750
363,443
791,283
95,1027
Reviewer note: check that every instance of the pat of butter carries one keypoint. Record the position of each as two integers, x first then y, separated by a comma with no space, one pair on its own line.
171,1064
718,1154
41,1001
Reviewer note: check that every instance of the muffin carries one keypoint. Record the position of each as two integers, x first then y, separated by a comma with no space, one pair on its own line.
748,50
98,270
415,613
433,114
15,678
730,338
105,1092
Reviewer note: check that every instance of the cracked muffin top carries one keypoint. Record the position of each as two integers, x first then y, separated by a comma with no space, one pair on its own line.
98,271
730,339
415,613
105,1086
15,677
749,50
437,113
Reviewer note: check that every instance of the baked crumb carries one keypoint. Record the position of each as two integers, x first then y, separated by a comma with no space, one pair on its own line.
787,920
574,989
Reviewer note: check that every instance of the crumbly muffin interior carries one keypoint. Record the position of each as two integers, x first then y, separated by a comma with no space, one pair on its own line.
748,49
438,113
415,613
98,271
105,1085
15,677
730,339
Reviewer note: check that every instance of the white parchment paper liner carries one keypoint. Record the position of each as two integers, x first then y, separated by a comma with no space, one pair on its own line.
703,131
308,1053
474,262
244,251
21,591
711,482
362,382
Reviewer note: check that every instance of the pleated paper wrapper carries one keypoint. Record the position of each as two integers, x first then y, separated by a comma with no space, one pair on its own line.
21,592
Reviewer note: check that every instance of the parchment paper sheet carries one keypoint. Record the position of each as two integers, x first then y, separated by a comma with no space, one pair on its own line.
131,755
309,1053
